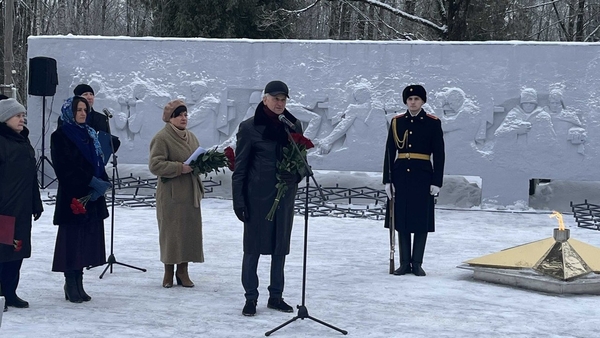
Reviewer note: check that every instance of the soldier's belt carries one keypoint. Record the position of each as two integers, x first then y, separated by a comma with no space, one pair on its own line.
413,156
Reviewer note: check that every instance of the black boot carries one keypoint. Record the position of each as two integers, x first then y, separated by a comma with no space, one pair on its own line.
10,282
84,296
418,253
404,238
279,305
249,308
15,301
71,290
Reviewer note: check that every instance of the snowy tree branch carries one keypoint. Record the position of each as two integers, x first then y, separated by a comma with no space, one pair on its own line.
560,21
297,11
443,29
592,33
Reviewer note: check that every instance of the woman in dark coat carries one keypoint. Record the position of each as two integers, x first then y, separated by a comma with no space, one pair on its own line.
79,168
260,143
19,196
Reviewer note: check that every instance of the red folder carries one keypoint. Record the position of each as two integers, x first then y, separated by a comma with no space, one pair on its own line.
7,229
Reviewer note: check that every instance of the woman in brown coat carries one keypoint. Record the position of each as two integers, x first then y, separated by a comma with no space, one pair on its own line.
177,198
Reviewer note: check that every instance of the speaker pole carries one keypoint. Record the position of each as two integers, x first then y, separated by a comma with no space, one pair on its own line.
43,158
43,141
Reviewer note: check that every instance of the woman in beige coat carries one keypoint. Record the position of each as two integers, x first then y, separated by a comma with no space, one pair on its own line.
178,199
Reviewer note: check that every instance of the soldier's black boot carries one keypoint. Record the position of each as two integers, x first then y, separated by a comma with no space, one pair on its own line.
404,238
418,253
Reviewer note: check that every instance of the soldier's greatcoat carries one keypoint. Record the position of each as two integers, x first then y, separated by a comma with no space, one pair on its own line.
411,139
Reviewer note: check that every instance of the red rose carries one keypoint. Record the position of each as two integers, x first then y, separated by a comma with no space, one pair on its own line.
230,154
18,244
78,204
301,140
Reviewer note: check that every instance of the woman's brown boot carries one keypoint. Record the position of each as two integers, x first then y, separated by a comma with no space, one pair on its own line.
182,276
168,278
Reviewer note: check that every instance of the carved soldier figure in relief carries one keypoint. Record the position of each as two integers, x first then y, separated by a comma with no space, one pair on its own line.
567,124
518,122
358,110
204,107
458,115
254,100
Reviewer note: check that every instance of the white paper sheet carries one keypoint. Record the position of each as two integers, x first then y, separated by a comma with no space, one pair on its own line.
195,155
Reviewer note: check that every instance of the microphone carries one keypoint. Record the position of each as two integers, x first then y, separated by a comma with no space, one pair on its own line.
287,122
107,113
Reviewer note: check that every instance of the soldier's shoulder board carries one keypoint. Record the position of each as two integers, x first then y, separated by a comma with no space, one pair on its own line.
401,115
432,116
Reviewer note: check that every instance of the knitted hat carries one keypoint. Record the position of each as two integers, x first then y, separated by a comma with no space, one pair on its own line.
170,108
82,88
274,88
414,90
10,108
529,95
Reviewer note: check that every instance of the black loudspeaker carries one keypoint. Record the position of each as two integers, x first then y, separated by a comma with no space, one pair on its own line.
43,77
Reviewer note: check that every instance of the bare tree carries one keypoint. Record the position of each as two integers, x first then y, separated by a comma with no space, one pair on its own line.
537,20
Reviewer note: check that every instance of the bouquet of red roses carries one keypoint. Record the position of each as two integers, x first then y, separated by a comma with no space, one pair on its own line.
78,204
209,161
292,162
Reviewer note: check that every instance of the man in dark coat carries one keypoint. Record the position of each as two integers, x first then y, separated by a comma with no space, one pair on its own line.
96,120
411,176
19,196
260,143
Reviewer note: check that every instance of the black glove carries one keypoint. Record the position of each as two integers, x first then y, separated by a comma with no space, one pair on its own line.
37,216
289,178
241,214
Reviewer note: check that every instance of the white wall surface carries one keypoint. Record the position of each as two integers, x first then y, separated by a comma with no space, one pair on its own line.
346,92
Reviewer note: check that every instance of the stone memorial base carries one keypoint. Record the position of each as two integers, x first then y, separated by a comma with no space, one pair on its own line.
530,279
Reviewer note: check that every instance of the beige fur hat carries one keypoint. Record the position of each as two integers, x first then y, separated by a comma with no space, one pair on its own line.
170,108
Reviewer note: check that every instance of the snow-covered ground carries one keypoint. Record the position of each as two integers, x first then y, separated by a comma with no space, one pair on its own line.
348,284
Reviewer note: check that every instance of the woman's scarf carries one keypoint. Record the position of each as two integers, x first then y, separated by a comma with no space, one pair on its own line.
84,137
183,134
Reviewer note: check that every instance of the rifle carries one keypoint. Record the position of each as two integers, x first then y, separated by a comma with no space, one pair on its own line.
391,223
392,226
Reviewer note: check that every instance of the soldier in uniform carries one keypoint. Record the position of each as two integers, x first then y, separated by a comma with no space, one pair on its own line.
413,172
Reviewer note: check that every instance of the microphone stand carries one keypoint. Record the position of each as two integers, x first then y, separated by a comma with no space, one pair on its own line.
302,310
111,258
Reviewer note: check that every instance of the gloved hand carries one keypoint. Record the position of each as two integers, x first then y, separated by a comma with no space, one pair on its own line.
241,214
99,185
37,216
389,190
289,178
434,190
